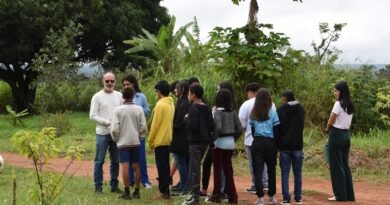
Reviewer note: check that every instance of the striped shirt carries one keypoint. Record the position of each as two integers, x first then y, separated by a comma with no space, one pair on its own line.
265,128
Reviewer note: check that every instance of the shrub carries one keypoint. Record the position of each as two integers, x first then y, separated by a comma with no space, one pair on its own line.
5,96
60,121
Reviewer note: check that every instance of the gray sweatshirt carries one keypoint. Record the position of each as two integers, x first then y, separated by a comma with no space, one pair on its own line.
128,125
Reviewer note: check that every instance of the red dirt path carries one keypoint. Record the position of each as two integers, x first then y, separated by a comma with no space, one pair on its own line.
317,189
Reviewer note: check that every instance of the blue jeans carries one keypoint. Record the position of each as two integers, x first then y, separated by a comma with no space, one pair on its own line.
182,167
265,172
142,166
104,142
296,159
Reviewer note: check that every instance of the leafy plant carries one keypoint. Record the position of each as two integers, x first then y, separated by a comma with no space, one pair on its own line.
163,47
247,56
60,121
382,106
16,117
40,148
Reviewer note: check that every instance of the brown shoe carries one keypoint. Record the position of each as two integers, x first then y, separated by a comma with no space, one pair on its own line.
160,196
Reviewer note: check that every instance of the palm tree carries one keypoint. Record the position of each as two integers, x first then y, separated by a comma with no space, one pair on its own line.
163,47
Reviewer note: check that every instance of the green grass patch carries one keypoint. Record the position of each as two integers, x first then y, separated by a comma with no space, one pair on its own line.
79,191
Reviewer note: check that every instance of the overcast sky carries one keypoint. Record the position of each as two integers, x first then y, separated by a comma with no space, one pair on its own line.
366,38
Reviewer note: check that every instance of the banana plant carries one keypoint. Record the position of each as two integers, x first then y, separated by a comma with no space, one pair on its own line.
16,117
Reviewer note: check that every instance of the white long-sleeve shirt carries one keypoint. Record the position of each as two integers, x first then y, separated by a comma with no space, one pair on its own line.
128,125
102,110
244,115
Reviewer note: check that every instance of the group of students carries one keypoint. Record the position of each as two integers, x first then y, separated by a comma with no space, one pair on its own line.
193,132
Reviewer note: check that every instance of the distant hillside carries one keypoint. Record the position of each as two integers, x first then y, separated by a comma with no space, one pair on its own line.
90,69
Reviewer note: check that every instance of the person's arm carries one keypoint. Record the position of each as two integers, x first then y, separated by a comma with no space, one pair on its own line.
115,127
182,110
238,129
333,115
154,126
243,115
142,127
94,113
331,121
193,120
145,106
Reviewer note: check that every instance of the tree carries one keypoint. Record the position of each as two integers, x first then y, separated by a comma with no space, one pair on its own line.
260,60
323,52
253,10
106,24
163,47
26,25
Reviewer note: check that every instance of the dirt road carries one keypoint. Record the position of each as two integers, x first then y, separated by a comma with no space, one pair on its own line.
317,189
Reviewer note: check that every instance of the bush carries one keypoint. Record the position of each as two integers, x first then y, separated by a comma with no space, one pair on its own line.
5,96
60,121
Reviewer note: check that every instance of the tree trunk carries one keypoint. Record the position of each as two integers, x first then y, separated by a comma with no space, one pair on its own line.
20,78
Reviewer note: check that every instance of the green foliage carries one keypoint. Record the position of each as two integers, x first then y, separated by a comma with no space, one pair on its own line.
259,59
40,148
16,117
60,121
163,47
382,106
323,52
5,96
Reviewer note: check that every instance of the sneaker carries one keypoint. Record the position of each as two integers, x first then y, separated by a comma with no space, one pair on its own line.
285,202
125,196
260,201
298,202
147,186
333,198
252,190
203,194
271,200
98,190
116,190
191,201
212,199
136,195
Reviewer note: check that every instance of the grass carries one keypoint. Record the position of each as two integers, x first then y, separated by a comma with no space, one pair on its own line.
78,192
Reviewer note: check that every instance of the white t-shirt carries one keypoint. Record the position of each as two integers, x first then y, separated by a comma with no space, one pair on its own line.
343,119
102,110
244,114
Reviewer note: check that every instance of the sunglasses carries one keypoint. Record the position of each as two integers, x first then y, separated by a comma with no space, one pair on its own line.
110,81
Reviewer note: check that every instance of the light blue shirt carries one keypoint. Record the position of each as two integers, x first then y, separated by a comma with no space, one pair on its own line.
265,128
225,143
140,100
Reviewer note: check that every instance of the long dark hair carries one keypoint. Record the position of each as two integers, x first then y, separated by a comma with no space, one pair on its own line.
184,87
262,105
133,80
227,85
345,98
223,99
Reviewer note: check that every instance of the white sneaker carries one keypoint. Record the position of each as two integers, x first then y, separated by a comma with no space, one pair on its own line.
285,202
147,186
299,202
272,200
333,198
260,201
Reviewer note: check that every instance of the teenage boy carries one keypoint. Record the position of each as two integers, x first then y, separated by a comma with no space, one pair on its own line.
127,128
291,115
244,114
199,125
160,136
103,104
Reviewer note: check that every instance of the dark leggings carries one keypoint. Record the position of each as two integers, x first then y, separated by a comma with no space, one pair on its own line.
206,168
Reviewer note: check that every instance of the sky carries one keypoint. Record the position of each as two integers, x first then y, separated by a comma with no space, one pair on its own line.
365,39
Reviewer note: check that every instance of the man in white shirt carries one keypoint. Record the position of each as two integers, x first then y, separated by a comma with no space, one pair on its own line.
101,112
244,116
